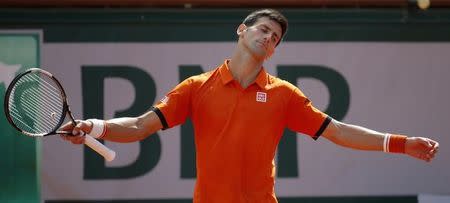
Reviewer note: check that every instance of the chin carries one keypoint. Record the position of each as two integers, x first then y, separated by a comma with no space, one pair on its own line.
260,53
261,56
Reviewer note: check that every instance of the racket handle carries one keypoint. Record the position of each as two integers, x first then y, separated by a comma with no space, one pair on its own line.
97,146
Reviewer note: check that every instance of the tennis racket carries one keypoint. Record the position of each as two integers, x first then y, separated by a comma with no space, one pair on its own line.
36,105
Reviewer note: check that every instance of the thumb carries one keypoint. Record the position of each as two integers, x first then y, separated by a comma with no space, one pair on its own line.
435,145
81,127
429,144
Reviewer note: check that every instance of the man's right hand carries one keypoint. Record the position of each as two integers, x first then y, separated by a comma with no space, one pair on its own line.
78,131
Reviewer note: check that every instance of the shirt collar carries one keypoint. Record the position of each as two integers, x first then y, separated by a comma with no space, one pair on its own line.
225,73
261,79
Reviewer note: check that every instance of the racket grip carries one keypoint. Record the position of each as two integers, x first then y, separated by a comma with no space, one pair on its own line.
97,146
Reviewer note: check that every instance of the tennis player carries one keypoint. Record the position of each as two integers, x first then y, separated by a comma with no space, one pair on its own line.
239,112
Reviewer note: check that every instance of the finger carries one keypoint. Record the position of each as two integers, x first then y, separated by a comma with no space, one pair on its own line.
426,157
81,127
435,147
432,156
428,143
77,140
423,156
76,129
434,152
66,128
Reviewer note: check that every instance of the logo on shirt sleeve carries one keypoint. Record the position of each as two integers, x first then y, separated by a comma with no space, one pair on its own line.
261,96
165,100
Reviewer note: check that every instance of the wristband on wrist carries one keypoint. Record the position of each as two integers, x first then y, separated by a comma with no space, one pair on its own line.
394,143
386,142
98,128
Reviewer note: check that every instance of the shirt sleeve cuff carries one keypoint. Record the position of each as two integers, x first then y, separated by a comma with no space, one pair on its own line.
322,127
161,117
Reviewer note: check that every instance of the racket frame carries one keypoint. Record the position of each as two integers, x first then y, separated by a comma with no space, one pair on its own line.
65,109
94,144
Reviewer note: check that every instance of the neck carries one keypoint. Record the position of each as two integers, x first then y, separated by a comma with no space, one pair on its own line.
244,67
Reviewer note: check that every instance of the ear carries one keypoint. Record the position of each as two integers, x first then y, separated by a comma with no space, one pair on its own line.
242,28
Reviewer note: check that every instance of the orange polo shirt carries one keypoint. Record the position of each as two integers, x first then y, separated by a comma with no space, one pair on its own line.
237,131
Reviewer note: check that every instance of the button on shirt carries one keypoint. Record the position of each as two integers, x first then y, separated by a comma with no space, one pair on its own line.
237,130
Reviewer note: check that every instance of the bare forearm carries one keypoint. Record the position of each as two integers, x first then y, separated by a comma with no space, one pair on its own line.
355,137
131,129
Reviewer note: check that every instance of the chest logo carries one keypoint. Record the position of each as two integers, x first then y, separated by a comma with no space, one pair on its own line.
261,96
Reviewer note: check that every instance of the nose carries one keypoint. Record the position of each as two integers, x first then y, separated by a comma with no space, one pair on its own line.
267,37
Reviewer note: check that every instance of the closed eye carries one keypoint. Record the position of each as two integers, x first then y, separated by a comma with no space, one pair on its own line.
266,29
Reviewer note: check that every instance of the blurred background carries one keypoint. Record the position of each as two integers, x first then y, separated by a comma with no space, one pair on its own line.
381,64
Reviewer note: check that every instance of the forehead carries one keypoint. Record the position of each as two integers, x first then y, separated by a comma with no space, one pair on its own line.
273,25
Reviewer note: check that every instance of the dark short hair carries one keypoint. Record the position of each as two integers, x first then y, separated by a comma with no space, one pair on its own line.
272,14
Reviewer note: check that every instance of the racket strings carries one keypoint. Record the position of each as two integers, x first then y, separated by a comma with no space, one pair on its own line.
36,104
55,100
52,103
28,116
30,111
33,108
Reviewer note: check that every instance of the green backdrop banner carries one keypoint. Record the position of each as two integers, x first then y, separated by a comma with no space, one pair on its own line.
19,50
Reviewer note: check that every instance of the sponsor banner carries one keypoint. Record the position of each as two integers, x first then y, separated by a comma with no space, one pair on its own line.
19,171
388,87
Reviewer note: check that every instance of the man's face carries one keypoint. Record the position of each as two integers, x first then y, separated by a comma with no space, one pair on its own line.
261,38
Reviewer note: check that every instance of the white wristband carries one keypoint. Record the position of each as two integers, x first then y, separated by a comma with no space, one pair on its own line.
386,142
98,128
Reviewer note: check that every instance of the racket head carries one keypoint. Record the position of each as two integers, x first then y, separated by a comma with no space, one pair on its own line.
35,103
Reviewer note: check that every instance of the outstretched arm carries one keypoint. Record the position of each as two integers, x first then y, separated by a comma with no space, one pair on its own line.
132,129
126,129
357,137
